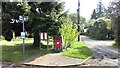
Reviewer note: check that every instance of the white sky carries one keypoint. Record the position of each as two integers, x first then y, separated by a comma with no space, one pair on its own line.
86,6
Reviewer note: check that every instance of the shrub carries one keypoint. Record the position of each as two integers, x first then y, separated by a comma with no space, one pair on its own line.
69,33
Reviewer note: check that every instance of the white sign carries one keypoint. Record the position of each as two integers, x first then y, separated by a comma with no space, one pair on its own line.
45,35
22,34
21,18
41,35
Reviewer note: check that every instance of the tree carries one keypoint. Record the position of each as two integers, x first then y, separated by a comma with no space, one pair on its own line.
114,14
91,22
42,16
47,21
11,11
73,17
99,11
83,23
94,15
98,30
82,20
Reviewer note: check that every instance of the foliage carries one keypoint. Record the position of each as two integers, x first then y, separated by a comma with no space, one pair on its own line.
94,15
69,33
44,19
12,10
115,45
108,22
98,30
91,22
99,11
78,50
74,20
114,14
82,23
73,17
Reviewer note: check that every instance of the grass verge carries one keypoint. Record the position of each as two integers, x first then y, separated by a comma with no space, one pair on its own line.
78,50
12,51
115,45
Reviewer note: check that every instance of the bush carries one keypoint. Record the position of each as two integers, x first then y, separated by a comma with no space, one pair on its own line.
69,33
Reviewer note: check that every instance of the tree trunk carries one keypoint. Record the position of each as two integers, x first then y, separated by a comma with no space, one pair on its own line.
118,33
36,39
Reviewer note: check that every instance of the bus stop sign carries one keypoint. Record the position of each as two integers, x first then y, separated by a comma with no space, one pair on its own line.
22,34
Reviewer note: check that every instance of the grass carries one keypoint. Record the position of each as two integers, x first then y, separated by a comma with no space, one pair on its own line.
115,45
12,51
78,50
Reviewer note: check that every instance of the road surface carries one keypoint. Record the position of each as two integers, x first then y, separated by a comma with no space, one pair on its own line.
104,53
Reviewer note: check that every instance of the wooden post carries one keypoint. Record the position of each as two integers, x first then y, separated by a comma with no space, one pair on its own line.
40,40
47,41
78,11
53,42
61,43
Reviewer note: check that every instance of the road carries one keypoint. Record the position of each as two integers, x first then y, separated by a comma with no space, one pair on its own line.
104,53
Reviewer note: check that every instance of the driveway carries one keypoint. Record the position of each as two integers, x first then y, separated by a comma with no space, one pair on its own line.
104,53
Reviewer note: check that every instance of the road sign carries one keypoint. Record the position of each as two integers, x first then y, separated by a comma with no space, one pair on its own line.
22,34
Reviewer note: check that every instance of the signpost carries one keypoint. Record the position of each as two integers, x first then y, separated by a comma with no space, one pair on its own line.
22,19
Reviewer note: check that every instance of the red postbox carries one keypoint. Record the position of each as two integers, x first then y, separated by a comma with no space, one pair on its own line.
58,43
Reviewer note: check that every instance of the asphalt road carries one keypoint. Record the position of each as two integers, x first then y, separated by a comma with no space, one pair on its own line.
104,53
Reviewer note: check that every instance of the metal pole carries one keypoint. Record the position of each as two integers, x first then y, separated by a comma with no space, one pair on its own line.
78,11
23,31
23,38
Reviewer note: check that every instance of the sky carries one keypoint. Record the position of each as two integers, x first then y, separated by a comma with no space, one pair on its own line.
86,6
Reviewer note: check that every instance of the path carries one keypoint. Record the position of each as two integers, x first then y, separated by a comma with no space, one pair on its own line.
55,59
104,53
